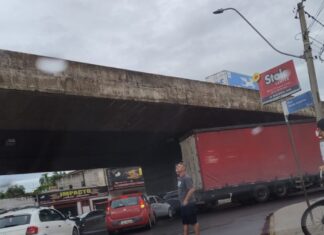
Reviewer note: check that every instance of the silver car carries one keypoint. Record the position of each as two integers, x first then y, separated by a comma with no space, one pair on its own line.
160,207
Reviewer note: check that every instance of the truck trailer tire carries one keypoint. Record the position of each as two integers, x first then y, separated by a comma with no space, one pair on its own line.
280,190
261,193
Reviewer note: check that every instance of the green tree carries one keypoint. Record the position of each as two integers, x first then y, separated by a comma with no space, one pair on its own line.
46,181
15,191
56,176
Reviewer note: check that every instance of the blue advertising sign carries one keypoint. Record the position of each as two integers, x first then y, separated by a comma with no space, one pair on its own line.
241,80
298,103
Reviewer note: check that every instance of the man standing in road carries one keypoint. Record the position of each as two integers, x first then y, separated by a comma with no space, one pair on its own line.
320,135
320,129
187,200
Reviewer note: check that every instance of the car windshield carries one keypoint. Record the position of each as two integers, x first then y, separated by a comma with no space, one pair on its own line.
131,201
15,220
159,200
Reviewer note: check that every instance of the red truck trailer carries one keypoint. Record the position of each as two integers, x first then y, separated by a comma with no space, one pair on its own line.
252,161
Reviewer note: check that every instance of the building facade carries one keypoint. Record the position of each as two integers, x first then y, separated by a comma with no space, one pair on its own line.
83,178
78,192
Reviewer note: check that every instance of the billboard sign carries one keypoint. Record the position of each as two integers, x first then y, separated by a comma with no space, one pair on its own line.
298,103
233,79
123,178
278,82
218,78
241,80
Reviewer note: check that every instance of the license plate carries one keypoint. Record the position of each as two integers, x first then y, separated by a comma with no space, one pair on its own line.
224,201
126,222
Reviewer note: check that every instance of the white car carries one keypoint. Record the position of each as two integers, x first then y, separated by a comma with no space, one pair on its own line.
160,207
36,221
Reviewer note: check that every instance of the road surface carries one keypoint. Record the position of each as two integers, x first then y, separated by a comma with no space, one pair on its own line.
229,220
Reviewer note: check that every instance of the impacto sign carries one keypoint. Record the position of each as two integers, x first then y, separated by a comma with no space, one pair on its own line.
278,82
74,194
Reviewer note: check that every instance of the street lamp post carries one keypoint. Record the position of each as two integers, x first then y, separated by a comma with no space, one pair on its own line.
307,56
220,11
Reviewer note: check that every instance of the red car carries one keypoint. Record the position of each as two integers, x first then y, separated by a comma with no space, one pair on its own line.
129,211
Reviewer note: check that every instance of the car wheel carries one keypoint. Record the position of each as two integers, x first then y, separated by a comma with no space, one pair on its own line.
280,190
261,193
75,231
149,224
170,213
154,219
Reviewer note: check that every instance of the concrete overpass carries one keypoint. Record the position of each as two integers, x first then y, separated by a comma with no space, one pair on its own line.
93,116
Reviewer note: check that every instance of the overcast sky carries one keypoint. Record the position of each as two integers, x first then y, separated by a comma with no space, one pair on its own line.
29,181
179,38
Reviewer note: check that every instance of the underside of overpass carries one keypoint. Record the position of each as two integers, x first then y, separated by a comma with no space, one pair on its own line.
66,121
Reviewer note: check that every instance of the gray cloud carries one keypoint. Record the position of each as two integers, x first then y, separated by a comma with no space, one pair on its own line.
181,38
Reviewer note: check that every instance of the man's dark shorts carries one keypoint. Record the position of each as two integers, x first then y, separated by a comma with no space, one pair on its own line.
189,214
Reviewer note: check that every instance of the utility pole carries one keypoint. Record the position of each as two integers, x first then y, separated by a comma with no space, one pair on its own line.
308,56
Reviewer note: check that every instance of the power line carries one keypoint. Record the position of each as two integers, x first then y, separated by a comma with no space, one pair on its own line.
315,20
321,53
319,47
318,33
315,40
316,15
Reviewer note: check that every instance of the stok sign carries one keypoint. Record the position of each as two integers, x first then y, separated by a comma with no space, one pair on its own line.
278,82
279,77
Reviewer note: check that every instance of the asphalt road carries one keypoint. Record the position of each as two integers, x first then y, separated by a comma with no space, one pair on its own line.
229,220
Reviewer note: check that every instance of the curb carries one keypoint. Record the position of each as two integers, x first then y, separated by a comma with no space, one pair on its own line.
268,227
271,225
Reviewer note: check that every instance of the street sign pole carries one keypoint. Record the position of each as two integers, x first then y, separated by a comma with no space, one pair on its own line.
297,159
291,106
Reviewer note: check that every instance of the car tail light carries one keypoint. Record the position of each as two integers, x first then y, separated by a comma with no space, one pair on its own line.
32,230
108,211
142,203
